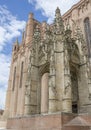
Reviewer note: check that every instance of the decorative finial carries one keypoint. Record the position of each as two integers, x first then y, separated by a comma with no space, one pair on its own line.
57,13
58,22
16,45
57,10
16,42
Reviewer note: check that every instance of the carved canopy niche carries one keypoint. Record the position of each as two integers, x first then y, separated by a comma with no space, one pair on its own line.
75,54
44,53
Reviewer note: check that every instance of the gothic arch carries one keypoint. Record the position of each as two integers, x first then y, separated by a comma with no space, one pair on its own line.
75,74
44,89
74,86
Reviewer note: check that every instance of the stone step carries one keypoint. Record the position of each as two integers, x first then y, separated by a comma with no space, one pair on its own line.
2,125
3,129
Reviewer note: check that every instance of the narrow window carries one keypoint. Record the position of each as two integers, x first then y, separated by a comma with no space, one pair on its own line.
15,48
14,79
21,75
88,35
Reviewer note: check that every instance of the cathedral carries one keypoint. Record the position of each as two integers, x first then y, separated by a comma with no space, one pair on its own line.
49,86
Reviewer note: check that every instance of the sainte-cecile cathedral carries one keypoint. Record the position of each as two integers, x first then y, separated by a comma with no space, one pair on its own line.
51,68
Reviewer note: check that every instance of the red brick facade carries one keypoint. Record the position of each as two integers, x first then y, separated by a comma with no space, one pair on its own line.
48,122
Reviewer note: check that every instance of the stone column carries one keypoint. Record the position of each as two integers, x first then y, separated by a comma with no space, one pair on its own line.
27,101
52,94
67,94
52,85
44,93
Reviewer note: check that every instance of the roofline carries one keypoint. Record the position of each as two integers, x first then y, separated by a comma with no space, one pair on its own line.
72,8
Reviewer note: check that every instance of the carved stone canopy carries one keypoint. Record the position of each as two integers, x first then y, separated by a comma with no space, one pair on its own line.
72,48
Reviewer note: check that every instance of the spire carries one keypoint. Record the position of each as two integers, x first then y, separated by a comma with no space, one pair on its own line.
58,22
57,13
16,45
16,42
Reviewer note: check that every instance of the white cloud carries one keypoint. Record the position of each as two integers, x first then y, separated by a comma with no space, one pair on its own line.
10,27
4,74
2,98
48,7
4,68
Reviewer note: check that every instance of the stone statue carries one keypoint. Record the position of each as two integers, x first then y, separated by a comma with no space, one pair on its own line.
67,88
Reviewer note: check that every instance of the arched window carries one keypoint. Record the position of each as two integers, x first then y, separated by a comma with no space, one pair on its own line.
88,34
15,48
14,79
21,75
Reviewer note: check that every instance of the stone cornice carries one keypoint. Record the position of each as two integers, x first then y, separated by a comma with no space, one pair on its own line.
80,3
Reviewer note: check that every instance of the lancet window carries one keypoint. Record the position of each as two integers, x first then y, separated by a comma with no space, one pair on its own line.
21,75
87,28
14,79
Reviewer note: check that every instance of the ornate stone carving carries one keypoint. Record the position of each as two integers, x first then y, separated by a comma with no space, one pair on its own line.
36,36
89,70
27,100
43,53
79,36
67,87
58,23
67,35
66,62
45,46
72,48
27,92
52,63
48,34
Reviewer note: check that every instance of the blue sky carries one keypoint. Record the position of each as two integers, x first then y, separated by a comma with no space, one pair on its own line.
13,17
